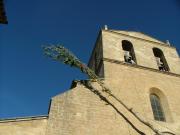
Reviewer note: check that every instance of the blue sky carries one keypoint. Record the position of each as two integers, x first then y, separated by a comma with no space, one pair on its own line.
28,79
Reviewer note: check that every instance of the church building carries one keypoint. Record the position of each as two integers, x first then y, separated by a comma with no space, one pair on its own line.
144,75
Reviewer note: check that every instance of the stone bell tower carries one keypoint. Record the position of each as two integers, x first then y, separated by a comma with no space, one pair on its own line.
141,71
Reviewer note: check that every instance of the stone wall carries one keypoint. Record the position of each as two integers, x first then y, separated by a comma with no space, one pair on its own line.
79,111
23,126
96,59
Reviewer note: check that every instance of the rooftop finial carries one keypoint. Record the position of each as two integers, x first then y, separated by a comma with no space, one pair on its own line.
105,27
167,42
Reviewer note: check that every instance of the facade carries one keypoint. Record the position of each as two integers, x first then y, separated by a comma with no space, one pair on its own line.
142,72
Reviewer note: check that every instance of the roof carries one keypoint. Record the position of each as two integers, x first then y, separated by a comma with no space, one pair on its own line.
3,18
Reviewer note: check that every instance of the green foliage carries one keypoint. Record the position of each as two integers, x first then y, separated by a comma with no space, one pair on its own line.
60,53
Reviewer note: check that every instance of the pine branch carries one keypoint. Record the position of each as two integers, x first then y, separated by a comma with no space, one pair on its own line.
60,53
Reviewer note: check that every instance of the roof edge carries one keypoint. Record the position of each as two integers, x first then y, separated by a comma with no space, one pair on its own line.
28,118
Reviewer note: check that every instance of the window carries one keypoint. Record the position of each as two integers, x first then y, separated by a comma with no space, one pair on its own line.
157,108
129,55
160,59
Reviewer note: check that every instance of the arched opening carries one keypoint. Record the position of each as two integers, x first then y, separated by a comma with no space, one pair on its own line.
157,108
160,106
160,59
129,55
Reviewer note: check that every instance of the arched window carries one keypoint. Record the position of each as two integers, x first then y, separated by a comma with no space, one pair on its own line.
157,108
160,59
129,55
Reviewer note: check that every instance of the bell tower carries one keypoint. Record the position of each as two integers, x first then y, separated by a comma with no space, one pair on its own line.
134,49
141,71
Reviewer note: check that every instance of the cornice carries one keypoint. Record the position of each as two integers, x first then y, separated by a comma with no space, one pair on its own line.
140,67
118,33
17,119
